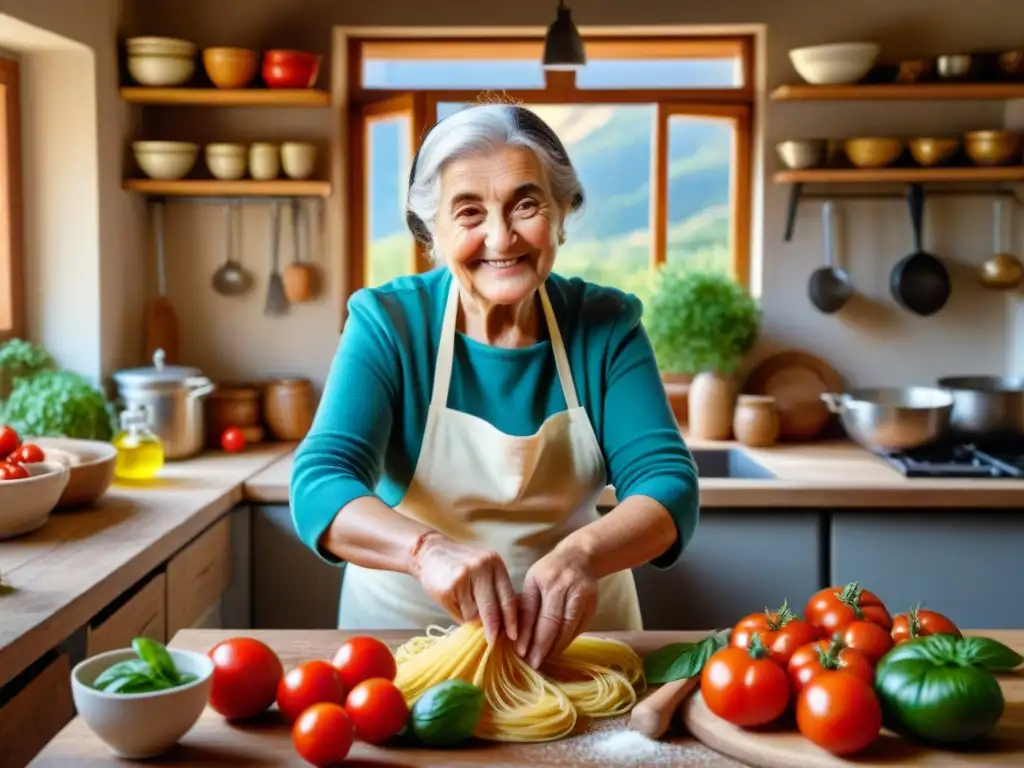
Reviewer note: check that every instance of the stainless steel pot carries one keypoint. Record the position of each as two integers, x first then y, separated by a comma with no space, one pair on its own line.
986,409
887,420
173,396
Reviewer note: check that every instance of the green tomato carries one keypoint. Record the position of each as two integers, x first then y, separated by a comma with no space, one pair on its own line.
941,688
447,713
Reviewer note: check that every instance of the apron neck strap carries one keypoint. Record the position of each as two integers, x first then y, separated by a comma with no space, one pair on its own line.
446,347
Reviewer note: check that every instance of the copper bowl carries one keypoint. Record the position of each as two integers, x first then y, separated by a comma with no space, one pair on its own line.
991,147
873,152
230,67
933,151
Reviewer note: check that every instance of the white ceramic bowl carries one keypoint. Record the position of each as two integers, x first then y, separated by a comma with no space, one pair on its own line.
161,69
25,505
834,63
227,161
140,725
160,45
264,160
165,159
90,466
298,159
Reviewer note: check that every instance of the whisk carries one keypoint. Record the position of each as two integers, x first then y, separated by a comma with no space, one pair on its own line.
277,299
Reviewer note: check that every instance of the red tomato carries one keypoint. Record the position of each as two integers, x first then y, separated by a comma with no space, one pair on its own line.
323,734
839,713
781,632
232,440
918,622
832,609
745,687
246,673
377,709
868,638
311,683
9,440
12,471
809,661
361,658
26,453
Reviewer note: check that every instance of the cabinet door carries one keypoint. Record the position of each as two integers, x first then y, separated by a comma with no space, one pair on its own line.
292,587
738,562
36,713
144,614
966,563
198,575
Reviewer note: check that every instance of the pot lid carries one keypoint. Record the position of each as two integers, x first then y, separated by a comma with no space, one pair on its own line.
158,375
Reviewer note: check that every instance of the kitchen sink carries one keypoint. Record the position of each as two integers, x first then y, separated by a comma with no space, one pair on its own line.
729,463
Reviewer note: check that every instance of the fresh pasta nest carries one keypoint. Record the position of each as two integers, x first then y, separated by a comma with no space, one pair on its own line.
594,677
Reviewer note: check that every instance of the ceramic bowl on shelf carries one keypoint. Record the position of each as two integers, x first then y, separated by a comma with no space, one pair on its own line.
290,69
298,159
26,504
873,152
90,465
264,160
140,725
933,151
230,67
160,61
798,154
226,161
834,63
992,147
165,160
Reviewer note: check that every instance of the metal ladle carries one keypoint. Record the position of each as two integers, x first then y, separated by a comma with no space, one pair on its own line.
1003,270
829,287
232,279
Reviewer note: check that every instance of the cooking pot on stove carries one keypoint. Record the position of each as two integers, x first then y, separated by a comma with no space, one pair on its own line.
987,409
173,396
892,419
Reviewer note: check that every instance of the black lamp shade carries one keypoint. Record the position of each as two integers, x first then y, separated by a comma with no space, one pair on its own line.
563,48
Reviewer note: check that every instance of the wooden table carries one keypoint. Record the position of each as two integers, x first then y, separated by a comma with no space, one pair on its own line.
213,742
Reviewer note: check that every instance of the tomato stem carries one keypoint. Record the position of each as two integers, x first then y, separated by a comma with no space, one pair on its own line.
914,621
756,647
829,657
851,596
780,618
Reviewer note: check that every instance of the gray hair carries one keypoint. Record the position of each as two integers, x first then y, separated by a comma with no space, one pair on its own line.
479,129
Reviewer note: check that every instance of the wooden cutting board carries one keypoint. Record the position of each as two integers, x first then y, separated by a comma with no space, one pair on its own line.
784,747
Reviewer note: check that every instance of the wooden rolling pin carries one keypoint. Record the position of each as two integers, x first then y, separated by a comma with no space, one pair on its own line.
651,716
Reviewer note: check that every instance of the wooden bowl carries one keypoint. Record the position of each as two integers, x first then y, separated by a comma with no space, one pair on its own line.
90,464
991,147
873,152
927,151
230,67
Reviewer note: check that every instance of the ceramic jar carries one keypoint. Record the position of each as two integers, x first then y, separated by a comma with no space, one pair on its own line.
756,421
288,407
712,397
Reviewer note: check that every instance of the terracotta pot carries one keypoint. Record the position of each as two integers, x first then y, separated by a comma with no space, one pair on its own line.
677,387
289,407
756,421
712,398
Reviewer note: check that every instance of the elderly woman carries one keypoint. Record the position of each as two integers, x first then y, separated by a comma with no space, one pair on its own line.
473,414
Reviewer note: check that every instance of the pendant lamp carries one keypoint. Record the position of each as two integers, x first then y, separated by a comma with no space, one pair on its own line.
563,47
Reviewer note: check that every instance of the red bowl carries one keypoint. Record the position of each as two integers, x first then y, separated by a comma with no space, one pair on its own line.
290,69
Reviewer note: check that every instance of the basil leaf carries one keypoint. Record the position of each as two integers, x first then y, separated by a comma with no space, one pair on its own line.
128,668
135,683
679,660
186,677
157,657
988,653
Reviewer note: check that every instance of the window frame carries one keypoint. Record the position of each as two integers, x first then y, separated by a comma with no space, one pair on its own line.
11,258
735,104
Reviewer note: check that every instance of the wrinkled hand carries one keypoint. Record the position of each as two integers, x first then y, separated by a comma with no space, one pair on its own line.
469,583
558,600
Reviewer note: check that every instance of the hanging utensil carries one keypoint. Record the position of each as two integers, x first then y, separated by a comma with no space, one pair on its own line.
161,319
829,287
1002,271
919,282
299,278
277,301
232,279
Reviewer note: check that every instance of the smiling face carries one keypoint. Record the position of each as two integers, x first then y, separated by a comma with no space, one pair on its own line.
496,226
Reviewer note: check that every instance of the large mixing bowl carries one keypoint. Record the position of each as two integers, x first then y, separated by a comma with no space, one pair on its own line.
892,419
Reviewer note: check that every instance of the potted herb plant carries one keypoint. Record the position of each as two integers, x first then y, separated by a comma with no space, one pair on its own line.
702,324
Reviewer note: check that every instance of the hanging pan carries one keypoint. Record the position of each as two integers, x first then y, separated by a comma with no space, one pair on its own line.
919,282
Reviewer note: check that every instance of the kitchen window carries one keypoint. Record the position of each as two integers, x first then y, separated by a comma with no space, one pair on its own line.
11,280
658,128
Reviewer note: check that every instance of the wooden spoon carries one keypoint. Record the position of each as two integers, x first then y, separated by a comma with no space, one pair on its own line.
652,715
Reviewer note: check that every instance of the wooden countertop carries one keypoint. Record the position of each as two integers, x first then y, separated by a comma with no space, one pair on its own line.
828,474
211,742
82,559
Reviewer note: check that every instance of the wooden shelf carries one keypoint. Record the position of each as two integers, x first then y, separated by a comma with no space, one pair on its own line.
899,175
240,188
228,97
900,91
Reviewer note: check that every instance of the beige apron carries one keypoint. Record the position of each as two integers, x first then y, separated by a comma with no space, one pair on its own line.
518,496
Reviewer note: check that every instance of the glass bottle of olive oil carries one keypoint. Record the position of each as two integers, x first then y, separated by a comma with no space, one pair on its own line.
140,454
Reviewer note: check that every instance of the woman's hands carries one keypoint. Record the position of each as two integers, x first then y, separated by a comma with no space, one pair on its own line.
558,600
468,582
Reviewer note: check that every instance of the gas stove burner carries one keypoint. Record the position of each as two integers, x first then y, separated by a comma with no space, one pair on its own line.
965,460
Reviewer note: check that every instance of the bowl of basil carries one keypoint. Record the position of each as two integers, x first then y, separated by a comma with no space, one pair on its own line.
141,700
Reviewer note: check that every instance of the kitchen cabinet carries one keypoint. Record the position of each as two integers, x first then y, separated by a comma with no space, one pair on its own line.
143,614
292,587
37,712
739,562
966,563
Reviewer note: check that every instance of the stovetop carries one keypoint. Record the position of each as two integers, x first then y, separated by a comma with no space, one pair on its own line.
965,460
